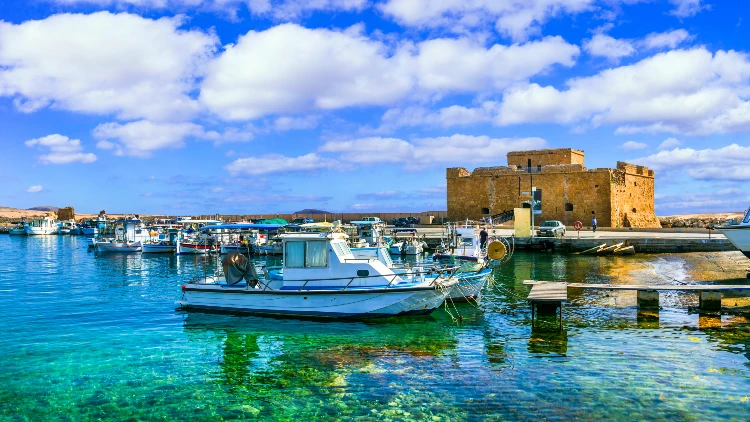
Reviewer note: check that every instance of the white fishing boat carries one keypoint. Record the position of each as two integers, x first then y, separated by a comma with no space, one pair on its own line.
129,237
65,227
93,227
45,226
320,278
238,237
272,247
739,234
411,246
472,276
162,242
460,242
114,246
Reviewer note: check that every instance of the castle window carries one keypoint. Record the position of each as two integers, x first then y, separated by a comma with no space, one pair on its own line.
635,183
485,211
568,207
539,168
634,210
596,186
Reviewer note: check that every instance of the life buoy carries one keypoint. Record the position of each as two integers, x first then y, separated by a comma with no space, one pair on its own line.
578,225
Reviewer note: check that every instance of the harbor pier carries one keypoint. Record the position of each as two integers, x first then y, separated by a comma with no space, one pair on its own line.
709,295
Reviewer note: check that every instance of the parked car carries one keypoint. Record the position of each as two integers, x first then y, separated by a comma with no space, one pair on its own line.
551,228
373,219
402,222
303,220
413,220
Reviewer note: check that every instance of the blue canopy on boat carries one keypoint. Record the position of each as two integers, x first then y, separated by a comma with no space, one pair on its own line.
243,226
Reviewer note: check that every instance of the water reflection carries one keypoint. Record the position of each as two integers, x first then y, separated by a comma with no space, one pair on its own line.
550,341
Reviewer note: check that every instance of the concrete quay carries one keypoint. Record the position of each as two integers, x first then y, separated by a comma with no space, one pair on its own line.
653,241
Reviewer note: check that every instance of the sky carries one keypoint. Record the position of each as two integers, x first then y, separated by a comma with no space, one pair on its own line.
272,106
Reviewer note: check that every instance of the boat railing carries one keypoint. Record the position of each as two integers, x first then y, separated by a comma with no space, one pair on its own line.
441,273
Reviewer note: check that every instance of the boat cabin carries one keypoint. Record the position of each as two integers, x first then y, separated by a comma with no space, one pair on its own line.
370,232
324,260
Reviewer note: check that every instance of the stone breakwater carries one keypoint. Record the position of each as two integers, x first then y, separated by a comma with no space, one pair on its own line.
699,222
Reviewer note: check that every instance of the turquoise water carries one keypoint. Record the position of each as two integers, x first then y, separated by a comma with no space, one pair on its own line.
98,337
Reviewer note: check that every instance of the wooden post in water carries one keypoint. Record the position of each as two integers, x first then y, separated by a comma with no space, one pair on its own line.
709,300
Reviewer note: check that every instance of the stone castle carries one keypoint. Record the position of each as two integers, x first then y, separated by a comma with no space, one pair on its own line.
619,197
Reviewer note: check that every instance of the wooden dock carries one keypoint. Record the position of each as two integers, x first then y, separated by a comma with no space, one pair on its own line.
709,295
546,299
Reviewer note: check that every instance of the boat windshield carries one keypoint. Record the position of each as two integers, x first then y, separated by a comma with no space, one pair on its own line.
747,217
306,254
467,241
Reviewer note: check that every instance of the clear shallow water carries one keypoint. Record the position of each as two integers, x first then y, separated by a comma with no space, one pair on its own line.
98,337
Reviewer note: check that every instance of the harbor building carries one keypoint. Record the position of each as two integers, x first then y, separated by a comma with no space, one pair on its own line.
559,187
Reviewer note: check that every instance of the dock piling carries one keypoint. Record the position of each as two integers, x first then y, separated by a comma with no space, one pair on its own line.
709,300
648,300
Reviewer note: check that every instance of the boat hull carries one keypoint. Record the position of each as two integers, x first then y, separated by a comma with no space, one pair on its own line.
370,303
189,249
40,231
17,232
410,250
117,247
149,248
469,287
739,236
89,231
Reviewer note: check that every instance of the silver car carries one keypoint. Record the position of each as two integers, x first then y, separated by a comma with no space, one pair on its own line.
551,228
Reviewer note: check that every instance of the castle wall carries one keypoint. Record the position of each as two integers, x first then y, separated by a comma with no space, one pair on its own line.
482,195
621,197
545,157
633,197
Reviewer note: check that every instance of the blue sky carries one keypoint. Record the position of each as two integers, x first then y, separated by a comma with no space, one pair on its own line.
229,106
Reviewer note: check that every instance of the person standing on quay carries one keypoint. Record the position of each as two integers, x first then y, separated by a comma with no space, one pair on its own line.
482,238
593,224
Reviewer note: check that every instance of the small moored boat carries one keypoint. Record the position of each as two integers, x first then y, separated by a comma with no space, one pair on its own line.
320,278
739,234
45,226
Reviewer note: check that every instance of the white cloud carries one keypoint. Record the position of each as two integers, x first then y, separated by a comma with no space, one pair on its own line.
323,69
605,46
62,150
230,134
269,164
320,69
104,63
422,152
142,138
680,91
275,9
285,123
633,145
35,189
454,115
687,8
669,144
293,9
461,65
669,39
516,19
726,163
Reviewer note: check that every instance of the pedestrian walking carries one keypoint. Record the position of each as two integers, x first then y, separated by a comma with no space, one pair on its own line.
593,224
